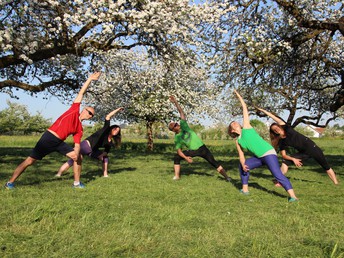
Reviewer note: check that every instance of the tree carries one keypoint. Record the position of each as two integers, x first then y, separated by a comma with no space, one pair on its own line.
49,45
143,85
17,120
287,56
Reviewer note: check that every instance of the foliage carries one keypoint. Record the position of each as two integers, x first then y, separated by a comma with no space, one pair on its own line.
16,119
143,85
49,45
139,211
286,56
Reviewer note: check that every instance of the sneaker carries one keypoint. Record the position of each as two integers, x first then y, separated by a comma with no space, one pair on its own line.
175,178
79,186
106,176
9,185
228,179
57,175
292,199
244,193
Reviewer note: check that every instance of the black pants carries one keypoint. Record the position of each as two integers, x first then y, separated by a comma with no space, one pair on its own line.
311,152
203,152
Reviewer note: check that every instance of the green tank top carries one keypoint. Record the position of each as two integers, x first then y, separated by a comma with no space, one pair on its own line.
250,140
187,137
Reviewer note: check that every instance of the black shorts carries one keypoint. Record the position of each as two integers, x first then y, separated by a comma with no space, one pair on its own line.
47,144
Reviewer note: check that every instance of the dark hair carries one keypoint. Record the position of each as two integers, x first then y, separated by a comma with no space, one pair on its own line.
117,139
232,134
275,137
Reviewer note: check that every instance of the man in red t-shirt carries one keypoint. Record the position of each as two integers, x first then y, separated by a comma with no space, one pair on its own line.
69,123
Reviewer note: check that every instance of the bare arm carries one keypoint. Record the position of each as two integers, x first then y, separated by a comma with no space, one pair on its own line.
93,77
180,110
242,158
275,118
112,113
246,122
297,162
181,154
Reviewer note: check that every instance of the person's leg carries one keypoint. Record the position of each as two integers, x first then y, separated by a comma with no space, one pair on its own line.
105,162
318,155
21,168
205,153
284,168
65,167
77,171
176,166
272,163
332,176
252,163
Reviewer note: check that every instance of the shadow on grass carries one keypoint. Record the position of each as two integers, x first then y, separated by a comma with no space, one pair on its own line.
237,184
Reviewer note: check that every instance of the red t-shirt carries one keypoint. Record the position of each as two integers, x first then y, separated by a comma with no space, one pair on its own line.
69,123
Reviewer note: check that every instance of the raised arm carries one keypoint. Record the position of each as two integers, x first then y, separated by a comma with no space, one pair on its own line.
93,77
180,110
112,113
275,118
246,118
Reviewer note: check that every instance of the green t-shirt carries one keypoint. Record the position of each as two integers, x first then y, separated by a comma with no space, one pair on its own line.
187,137
250,140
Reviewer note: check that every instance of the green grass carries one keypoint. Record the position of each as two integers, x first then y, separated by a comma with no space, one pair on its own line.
141,212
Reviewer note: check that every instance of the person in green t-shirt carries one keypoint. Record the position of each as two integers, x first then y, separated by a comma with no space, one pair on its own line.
264,153
184,136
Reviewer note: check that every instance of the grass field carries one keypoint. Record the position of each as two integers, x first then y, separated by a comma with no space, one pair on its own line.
139,211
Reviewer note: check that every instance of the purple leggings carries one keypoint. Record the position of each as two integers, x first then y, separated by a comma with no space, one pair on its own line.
85,149
272,163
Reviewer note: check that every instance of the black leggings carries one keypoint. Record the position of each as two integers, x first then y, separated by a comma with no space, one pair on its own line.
203,152
312,151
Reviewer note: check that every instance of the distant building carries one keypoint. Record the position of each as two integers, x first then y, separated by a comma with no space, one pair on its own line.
316,131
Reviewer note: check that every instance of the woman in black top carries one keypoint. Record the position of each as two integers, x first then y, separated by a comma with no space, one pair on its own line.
105,138
283,136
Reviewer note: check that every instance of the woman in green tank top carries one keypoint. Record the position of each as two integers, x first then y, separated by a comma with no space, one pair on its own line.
264,154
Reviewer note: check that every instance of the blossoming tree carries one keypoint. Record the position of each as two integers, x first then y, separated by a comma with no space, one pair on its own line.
143,85
287,56
48,45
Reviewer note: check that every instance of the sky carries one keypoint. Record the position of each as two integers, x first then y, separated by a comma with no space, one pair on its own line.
49,108
52,108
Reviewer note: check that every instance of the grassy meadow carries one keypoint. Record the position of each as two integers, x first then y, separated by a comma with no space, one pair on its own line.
139,211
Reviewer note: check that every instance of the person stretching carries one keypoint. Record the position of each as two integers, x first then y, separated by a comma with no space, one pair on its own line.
103,138
283,136
69,123
184,136
264,153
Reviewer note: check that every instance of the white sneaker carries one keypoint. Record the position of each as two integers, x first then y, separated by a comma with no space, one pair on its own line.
175,178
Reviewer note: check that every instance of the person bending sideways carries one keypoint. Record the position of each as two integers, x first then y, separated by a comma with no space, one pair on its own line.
264,153
69,123
184,136
105,138
283,136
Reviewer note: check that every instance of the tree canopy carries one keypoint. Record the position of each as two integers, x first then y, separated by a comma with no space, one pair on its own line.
283,55
287,56
48,45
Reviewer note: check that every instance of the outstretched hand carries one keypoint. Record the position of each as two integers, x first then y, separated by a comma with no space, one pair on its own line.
95,76
173,99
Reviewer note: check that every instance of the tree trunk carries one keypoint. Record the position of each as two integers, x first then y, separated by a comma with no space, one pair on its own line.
149,127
